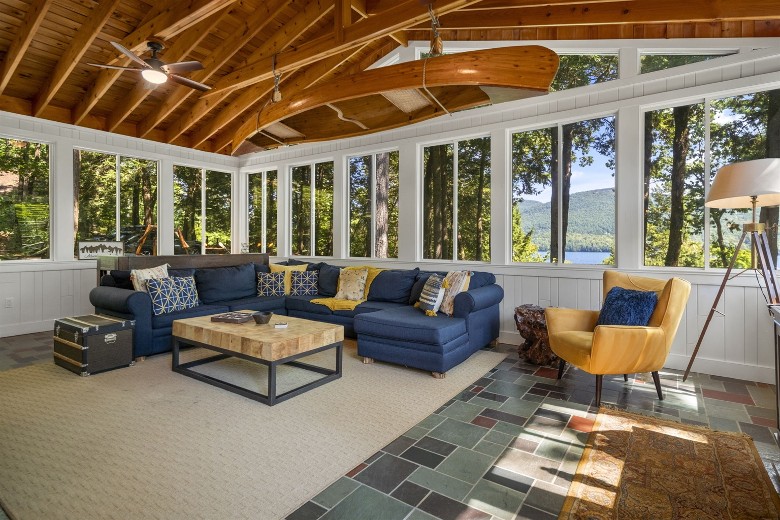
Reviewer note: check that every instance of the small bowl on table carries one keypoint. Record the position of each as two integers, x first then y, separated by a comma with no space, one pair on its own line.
262,317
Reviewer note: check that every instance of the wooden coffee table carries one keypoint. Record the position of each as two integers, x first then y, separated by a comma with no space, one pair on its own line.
261,344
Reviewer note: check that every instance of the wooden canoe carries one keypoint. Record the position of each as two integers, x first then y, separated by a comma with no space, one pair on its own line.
398,95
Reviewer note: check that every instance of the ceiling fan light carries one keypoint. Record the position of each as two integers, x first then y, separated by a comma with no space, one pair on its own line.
154,76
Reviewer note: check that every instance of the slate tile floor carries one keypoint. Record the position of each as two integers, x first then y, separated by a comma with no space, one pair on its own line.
506,447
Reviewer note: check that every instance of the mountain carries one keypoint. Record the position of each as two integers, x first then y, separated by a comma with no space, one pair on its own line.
591,221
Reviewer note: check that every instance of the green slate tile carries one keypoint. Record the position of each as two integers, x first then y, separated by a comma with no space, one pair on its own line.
431,422
441,483
499,438
497,500
420,515
336,492
489,448
462,411
457,432
519,407
368,504
547,497
508,428
486,403
552,449
466,465
416,433
508,389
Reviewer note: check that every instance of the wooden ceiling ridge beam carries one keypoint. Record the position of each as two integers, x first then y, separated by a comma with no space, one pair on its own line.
613,13
72,55
181,48
167,19
286,35
522,4
216,59
21,40
403,15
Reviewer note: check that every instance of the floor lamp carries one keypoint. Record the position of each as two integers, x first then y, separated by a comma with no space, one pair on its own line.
749,184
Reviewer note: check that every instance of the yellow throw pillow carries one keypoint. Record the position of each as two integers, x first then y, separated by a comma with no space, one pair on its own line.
352,284
454,283
287,270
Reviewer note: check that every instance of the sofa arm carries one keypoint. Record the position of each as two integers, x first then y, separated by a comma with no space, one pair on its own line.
477,299
123,301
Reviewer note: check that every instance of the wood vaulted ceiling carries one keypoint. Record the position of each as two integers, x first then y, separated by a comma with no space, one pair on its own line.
46,45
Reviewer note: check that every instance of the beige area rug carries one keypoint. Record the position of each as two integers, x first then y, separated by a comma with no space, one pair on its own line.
636,468
144,442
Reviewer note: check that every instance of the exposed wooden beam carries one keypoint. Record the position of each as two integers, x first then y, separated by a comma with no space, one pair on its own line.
342,18
520,4
406,14
78,46
291,31
21,40
359,6
626,12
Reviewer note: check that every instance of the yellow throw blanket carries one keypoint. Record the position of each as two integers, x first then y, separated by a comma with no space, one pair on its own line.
338,304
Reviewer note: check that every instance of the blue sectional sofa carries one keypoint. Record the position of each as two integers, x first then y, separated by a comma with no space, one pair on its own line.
387,325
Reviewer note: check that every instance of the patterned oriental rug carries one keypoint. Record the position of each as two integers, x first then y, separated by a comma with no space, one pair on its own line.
638,467
144,442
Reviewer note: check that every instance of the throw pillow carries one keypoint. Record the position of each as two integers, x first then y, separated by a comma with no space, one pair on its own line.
329,280
140,276
172,294
220,284
352,284
454,283
431,295
287,270
270,284
627,307
304,283
188,292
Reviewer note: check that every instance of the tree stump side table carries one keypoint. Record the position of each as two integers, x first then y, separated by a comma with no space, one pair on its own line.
532,326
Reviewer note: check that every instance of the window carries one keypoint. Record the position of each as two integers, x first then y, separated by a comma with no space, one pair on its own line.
262,212
456,200
24,200
578,70
573,198
373,205
116,199
201,211
653,62
312,209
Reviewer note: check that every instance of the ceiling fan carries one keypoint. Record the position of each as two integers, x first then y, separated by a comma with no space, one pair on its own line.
157,71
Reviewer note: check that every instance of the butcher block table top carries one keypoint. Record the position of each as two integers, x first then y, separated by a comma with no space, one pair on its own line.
260,341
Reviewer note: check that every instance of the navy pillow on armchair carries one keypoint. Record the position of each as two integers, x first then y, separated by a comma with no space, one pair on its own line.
627,307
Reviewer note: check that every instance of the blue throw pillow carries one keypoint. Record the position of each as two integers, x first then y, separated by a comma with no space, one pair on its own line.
172,294
627,307
222,284
270,284
304,283
328,281
393,285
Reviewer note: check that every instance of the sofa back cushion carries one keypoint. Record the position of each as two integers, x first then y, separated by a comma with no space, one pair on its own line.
419,283
216,284
117,278
481,279
328,280
393,285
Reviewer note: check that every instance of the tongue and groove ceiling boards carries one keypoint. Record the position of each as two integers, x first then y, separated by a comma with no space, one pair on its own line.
46,47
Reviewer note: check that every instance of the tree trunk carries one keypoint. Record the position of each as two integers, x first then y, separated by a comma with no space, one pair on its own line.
149,197
770,214
566,152
76,189
680,147
555,186
648,165
716,216
480,199
438,205
382,212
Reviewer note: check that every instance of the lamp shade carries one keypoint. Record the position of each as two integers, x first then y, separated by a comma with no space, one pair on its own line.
736,183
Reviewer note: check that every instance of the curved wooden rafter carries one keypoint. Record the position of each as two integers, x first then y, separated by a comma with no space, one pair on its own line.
446,83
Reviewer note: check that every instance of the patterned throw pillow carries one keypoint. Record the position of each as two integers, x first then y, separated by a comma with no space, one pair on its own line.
140,276
287,270
352,284
172,294
454,283
304,283
431,295
270,284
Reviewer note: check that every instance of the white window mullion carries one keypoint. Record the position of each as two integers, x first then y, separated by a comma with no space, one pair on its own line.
263,206
559,196
312,212
117,199
203,211
707,174
372,184
455,200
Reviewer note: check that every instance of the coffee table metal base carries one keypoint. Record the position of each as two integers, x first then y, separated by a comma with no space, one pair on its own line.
271,398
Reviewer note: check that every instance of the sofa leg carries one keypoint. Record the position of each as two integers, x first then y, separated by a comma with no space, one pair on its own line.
493,343
598,389
625,377
140,359
657,381
438,375
368,360
561,367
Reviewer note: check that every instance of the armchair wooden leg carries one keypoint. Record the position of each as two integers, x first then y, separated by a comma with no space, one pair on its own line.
598,389
561,367
657,381
625,377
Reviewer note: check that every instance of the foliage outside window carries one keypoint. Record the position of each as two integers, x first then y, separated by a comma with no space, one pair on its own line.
654,62
564,210
115,199
24,200
263,192
456,200
373,205
741,128
201,211
579,70
312,209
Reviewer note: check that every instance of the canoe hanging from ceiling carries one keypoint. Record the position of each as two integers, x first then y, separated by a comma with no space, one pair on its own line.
399,95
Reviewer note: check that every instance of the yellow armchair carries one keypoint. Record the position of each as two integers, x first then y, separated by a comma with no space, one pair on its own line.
618,349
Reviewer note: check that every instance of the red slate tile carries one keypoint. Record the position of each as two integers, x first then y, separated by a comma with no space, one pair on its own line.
357,469
726,396
763,421
485,422
552,373
581,424
477,389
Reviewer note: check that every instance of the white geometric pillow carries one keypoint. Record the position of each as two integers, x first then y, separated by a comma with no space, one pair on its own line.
304,283
454,283
139,276
352,284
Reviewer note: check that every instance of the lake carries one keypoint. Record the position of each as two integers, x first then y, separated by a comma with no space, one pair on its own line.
584,257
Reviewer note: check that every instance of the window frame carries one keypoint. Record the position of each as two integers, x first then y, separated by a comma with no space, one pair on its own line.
312,164
204,222
264,205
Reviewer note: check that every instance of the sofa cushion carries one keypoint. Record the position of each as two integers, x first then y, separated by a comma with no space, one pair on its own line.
419,283
270,284
258,303
352,284
166,320
417,327
303,303
393,285
455,283
139,276
181,271
172,294
481,279
328,281
369,306
262,268
216,284
304,283
431,295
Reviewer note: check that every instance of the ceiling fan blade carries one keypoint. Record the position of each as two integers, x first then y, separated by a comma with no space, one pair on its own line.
130,55
183,66
113,67
188,83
